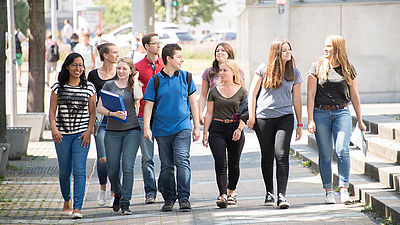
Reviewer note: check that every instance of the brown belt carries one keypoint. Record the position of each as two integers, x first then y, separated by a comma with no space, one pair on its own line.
225,120
331,107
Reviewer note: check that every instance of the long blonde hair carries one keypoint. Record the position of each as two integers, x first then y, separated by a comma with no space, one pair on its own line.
276,70
340,56
235,68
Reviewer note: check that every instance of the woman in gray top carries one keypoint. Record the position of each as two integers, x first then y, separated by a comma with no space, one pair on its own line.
280,83
122,138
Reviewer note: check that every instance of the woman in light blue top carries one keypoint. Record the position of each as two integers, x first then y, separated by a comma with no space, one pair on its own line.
272,116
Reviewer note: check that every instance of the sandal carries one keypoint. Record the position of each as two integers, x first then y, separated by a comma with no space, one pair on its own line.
232,199
222,202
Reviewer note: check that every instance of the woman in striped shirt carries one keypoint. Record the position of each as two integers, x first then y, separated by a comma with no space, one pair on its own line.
74,100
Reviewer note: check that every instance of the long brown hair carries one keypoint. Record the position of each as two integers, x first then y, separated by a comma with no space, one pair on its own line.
276,70
339,56
215,65
128,61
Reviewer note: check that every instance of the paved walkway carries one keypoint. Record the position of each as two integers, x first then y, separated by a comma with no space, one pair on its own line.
30,194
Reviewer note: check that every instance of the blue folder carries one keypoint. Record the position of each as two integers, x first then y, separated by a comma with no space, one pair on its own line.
113,102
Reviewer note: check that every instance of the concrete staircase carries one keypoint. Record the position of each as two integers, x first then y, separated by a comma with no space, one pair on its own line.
374,178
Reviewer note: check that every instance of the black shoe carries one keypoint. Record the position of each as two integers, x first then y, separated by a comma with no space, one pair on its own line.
269,199
125,210
168,206
222,202
116,205
282,202
184,205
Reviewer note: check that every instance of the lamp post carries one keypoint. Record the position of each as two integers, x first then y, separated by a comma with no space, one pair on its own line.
12,60
283,19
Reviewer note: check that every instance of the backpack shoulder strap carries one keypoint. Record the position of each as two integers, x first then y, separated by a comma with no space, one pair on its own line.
156,80
188,80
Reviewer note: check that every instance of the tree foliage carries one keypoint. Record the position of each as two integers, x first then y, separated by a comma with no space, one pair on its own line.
21,15
192,12
115,12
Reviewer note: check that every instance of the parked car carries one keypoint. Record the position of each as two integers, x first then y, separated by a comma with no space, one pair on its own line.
174,36
122,36
219,36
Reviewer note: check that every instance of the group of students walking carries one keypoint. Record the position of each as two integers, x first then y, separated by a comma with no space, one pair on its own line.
168,108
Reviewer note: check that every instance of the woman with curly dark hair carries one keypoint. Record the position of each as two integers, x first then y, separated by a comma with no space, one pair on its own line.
74,101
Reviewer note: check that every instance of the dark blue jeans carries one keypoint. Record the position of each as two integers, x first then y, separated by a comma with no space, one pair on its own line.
72,158
174,151
101,153
125,144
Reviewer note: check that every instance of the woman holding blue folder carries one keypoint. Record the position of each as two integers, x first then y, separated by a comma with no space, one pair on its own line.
122,136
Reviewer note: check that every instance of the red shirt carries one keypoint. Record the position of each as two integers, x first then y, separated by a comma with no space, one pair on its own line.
145,73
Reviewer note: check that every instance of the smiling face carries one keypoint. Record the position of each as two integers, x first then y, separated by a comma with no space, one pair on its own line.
76,68
221,54
225,73
112,55
328,49
176,61
286,52
123,71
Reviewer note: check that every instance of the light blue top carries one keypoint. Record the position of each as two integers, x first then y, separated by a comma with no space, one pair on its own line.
172,114
274,103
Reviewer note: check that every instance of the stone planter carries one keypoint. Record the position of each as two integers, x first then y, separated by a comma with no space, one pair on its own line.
4,150
18,137
34,120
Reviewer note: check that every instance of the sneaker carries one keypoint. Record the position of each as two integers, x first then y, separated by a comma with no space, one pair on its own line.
116,204
125,210
232,199
150,199
330,198
168,206
222,202
282,202
269,200
184,205
101,198
344,196
77,216
111,202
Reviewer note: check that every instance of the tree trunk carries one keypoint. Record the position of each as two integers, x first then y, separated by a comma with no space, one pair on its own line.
3,28
35,98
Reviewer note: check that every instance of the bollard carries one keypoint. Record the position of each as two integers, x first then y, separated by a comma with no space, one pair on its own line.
18,137
4,151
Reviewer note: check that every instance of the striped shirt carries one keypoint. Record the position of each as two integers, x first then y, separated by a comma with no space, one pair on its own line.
73,107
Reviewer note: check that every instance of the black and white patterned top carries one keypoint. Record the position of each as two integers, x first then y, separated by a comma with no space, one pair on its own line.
73,107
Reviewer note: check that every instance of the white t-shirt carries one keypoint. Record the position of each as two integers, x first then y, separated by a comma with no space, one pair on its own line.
87,54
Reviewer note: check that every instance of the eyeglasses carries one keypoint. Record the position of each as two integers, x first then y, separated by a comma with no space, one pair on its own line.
77,65
155,43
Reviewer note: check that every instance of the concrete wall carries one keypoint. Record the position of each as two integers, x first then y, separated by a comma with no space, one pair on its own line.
371,31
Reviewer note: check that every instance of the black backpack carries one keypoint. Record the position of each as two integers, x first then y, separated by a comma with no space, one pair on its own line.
18,48
53,55
156,80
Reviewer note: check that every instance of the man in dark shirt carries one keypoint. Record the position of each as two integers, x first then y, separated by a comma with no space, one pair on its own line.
151,64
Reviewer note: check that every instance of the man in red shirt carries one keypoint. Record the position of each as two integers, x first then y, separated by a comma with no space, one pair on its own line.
151,64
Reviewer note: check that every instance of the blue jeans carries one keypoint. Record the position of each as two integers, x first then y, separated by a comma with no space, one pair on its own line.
333,125
125,144
147,150
174,151
72,158
101,153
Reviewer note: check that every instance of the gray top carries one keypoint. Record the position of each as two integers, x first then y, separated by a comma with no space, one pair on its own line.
274,103
127,95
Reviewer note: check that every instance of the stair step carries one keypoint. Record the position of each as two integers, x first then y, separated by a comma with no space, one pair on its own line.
372,121
380,170
388,150
372,193
390,131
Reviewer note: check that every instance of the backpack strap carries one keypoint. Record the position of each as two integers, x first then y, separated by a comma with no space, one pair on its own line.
188,80
156,80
